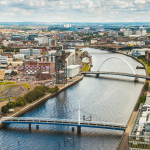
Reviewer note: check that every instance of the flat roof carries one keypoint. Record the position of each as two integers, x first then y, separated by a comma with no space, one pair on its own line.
73,66
147,102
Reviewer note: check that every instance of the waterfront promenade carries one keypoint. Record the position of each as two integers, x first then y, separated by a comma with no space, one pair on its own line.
20,111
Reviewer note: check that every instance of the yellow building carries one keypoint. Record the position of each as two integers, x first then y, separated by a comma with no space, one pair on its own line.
2,74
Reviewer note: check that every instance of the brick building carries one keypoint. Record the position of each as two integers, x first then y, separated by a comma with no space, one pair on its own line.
33,67
9,55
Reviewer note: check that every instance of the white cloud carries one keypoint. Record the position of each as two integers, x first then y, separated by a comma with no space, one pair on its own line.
4,2
140,1
75,10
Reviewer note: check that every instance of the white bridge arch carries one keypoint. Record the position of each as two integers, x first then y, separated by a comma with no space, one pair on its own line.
121,59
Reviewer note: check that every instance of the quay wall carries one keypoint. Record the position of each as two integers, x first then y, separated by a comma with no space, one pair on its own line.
135,59
29,107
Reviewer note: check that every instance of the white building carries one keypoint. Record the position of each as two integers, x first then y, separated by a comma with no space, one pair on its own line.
138,32
30,52
93,41
144,32
127,32
138,52
135,43
67,25
3,59
85,60
5,43
113,33
122,30
70,59
42,40
73,70
18,56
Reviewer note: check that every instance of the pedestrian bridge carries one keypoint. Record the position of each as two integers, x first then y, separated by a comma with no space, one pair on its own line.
136,76
65,122
97,73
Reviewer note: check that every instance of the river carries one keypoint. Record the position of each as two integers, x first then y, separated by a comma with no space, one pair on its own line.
106,100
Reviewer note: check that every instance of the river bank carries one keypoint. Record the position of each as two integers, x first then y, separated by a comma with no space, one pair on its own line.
28,107
123,144
135,59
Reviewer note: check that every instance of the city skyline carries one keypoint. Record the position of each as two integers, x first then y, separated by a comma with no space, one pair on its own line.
75,11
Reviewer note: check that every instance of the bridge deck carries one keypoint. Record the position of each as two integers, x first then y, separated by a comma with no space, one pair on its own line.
90,124
116,73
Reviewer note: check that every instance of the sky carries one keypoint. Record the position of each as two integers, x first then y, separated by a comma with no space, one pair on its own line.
75,10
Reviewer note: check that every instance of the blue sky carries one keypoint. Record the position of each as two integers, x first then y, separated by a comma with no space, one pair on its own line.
75,10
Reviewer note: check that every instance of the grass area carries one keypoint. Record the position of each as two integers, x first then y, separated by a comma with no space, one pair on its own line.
146,63
5,99
26,85
86,68
6,83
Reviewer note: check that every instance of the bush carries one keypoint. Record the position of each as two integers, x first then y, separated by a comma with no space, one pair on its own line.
141,57
4,109
146,86
54,90
14,73
141,100
38,92
11,105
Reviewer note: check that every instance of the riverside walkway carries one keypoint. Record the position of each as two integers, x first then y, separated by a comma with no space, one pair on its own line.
52,121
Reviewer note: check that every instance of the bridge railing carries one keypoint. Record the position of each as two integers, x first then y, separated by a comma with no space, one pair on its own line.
60,121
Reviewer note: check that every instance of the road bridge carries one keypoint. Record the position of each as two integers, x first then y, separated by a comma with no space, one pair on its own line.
106,47
65,122
97,73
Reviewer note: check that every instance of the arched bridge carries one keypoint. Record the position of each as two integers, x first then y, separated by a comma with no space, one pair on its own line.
118,73
97,73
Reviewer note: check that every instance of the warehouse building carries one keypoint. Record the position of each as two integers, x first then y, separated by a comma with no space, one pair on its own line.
73,70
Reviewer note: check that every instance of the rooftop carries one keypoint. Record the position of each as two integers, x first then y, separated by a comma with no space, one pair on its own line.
73,66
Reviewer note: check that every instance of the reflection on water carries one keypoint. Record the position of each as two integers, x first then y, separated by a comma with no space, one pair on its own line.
106,100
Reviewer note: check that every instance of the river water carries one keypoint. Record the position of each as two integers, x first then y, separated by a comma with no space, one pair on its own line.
106,100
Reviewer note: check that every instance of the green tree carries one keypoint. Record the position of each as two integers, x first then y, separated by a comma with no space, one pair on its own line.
14,73
11,105
146,86
4,109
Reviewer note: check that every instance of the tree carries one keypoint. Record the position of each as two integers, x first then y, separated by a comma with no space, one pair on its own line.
11,105
146,86
14,73
4,109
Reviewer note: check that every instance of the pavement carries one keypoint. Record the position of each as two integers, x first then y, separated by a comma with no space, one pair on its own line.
124,143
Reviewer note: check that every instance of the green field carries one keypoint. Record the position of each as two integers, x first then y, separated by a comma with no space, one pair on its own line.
26,85
148,67
6,83
6,99
86,68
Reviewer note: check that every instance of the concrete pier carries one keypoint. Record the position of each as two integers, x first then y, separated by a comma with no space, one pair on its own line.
37,127
78,130
29,127
97,75
72,129
136,79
